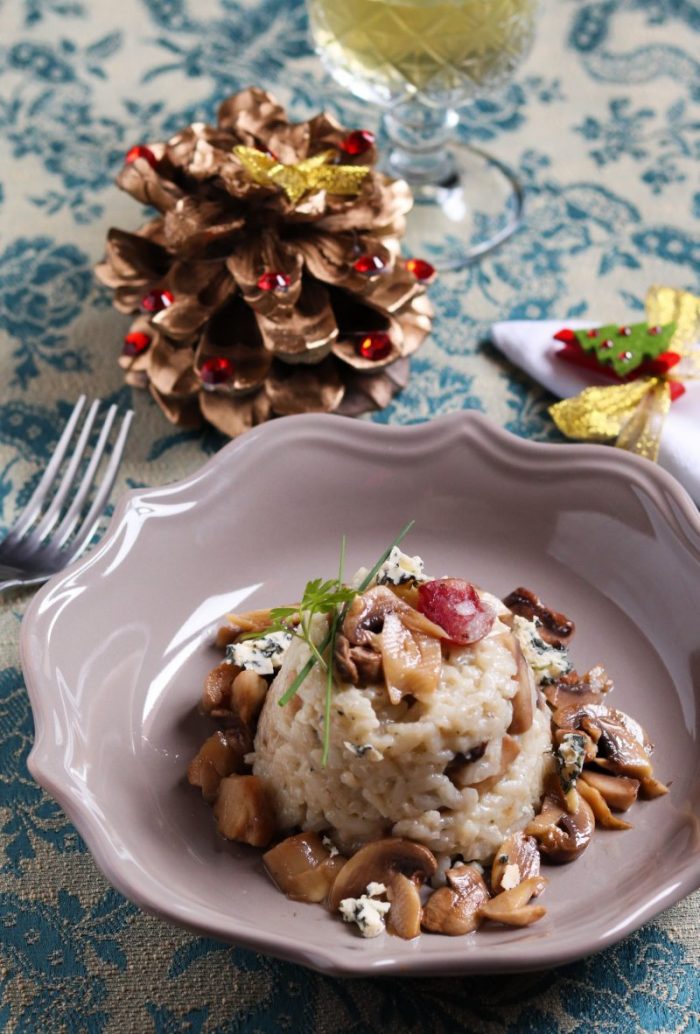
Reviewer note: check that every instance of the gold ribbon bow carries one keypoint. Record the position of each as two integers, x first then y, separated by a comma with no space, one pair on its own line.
309,175
632,414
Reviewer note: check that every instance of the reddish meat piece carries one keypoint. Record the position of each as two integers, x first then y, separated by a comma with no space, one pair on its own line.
456,606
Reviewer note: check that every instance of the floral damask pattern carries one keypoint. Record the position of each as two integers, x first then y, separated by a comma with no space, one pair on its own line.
602,125
42,289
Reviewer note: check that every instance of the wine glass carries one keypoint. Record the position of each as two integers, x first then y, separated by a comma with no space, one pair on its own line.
419,59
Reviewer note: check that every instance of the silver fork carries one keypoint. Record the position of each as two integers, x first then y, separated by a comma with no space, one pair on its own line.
34,548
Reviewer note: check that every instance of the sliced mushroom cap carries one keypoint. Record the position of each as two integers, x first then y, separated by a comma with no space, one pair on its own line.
244,624
454,909
377,862
620,792
302,867
623,746
598,715
405,912
225,635
523,703
463,770
511,906
553,627
220,755
574,689
365,617
216,696
248,692
404,642
562,835
360,665
412,661
244,811
240,738
407,592
517,859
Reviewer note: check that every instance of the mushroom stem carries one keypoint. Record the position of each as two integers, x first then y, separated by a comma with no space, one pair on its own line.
405,912
620,792
511,907
599,807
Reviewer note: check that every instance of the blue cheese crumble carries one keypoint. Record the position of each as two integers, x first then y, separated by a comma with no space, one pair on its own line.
571,754
400,569
263,655
547,662
361,750
366,912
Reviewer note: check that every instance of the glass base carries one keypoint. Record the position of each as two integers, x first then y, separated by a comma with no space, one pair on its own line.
479,206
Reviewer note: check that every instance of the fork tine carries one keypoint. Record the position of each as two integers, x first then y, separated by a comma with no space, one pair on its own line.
65,529
36,501
52,513
93,515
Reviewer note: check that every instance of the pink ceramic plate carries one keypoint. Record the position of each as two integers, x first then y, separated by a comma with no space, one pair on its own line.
116,648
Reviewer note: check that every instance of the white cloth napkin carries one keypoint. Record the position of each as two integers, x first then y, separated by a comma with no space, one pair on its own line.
530,345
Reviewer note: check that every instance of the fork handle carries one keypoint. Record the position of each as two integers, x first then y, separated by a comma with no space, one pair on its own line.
10,576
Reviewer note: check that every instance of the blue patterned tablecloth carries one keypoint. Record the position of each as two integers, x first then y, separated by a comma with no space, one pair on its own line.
602,124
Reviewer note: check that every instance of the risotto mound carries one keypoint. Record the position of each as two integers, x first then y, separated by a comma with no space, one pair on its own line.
449,769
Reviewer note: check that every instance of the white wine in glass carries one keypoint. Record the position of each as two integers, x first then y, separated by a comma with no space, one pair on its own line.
419,59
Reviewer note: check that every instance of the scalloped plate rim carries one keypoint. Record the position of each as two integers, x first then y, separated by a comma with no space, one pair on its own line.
668,495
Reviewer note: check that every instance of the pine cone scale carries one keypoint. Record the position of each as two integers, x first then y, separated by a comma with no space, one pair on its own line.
306,333
246,284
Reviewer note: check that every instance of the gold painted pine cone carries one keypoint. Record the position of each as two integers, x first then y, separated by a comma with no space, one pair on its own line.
257,291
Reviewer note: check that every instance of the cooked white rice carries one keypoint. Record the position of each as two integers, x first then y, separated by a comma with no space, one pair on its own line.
386,767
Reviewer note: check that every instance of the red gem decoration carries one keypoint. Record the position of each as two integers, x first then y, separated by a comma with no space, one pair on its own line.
566,335
216,370
606,344
368,264
677,389
135,343
156,301
654,331
358,142
421,269
591,333
273,281
139,151
376,345
624,332
624,357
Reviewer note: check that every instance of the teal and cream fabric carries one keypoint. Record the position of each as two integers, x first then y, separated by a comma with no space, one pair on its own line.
603,126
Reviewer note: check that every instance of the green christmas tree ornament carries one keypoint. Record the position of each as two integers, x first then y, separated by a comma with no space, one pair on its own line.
621,348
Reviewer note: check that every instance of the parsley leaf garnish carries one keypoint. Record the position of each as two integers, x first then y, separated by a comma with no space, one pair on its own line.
328,597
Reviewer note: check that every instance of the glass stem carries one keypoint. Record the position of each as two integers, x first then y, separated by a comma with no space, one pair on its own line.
418,138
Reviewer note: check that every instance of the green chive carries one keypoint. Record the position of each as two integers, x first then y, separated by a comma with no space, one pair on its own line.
363,585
